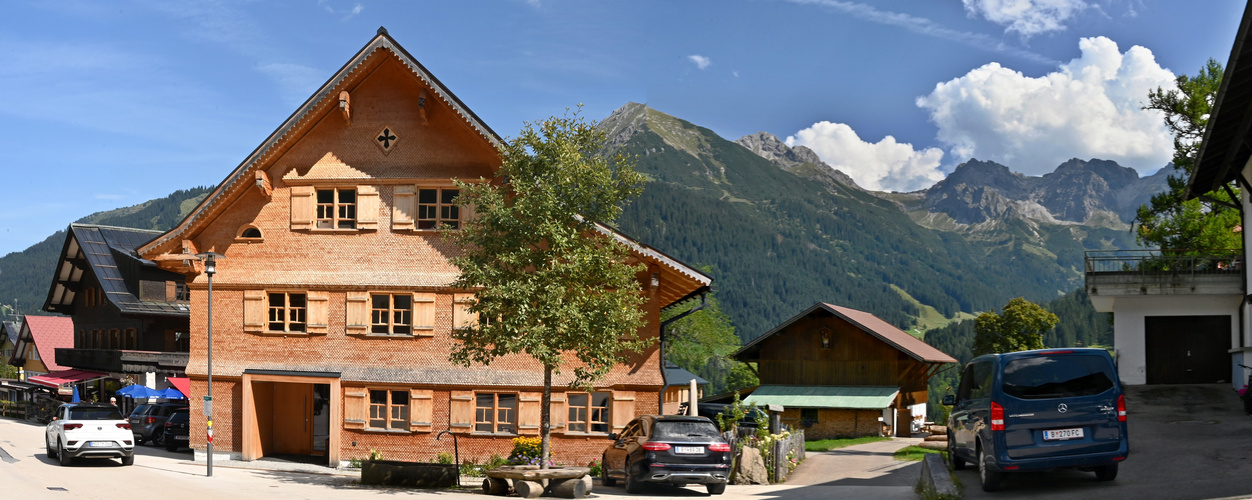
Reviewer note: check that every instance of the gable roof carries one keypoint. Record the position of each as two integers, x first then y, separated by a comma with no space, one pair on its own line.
49,333
304,117
109,253
868,323
676,376
1226,148
691,281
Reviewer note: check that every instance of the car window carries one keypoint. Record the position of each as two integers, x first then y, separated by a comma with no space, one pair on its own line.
666,431
963,391
1044,377
140,410
94,414
984,376
179,416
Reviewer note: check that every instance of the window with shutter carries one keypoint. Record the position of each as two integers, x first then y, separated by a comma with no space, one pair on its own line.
461,315
254,311
461,411
357,313
318,312
423,312
367,207
302,207
421,410
355,407
403,207
557,412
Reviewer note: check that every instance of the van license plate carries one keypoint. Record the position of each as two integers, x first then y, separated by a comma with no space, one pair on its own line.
1062,434
689,450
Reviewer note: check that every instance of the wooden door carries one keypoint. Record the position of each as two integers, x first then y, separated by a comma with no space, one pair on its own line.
293,418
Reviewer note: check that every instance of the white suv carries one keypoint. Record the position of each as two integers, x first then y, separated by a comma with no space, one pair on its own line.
89,430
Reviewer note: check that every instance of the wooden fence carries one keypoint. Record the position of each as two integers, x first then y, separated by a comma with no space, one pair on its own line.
13,410
775,458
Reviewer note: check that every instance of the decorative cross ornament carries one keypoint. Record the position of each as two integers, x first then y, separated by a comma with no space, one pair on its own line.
386,139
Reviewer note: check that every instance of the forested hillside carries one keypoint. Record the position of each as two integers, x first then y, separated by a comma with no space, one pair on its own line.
25,276
777,243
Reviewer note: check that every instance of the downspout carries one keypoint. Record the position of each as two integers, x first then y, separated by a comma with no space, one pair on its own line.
660,397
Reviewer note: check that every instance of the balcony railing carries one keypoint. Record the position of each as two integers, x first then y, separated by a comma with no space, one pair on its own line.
1157,262
1156,272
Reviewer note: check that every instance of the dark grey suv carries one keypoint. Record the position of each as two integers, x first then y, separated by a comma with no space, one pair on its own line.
670,449
148,421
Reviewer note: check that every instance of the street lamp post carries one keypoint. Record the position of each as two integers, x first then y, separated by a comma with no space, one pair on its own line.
210,266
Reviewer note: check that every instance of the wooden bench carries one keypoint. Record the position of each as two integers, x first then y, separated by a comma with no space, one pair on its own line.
529,481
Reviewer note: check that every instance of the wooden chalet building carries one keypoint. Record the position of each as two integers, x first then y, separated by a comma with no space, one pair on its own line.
332,310
131,318
840,372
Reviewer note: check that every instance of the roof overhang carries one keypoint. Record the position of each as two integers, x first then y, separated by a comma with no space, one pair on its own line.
914,348
686,282
1226,147
824,396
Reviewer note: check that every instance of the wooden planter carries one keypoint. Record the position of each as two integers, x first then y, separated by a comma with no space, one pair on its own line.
412,474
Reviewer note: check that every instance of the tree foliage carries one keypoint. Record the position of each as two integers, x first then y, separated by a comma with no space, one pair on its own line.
1020,328
1168,222
547,284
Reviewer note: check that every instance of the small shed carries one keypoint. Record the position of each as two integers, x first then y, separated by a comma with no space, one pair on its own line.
840,372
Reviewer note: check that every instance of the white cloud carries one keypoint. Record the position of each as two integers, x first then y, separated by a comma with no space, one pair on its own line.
1088,108
701,61
1026,17
884,165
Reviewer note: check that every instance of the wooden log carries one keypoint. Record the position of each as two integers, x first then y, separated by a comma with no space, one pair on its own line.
495,486
568,488
528,489
936,437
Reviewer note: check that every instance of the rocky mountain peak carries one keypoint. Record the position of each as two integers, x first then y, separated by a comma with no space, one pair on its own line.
798,160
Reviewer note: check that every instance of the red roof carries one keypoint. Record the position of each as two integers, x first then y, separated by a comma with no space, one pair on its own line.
894,336
59,378
51,333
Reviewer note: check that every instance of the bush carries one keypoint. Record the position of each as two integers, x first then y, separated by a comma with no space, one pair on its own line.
596,468
527,450
444,458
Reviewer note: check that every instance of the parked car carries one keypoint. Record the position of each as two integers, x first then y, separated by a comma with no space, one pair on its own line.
148,421
1038,410
747,424
177,429
89,430
672,449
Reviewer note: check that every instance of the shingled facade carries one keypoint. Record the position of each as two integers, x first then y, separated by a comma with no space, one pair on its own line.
332,310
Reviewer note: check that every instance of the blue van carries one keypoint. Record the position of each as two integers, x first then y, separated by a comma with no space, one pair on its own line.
1038,410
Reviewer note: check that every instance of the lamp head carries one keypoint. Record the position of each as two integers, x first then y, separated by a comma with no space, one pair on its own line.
210,264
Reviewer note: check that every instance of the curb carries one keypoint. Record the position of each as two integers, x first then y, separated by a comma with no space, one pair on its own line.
936,477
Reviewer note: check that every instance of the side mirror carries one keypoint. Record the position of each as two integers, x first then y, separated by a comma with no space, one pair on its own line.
949,400
613,437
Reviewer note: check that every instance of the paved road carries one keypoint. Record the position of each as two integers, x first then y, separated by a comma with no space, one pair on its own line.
1186,442
26,473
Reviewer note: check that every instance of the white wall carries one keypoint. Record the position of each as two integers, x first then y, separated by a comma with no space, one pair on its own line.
1129,339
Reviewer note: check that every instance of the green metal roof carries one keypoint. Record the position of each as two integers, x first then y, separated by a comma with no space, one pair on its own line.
823,396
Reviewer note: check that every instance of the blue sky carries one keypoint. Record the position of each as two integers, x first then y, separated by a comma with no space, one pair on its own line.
110,104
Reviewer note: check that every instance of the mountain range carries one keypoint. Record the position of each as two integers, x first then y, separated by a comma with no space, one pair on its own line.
780,230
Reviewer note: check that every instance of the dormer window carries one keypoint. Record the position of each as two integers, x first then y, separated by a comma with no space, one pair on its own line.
336,209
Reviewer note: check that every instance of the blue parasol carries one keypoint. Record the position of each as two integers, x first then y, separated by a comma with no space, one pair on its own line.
170,393
138,392
75,398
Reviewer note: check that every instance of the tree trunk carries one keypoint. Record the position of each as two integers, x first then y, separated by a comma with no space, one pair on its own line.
545,418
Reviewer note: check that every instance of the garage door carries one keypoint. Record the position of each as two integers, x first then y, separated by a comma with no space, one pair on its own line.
1187,349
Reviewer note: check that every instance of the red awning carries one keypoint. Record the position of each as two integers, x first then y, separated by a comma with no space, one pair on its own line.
57,379
183,384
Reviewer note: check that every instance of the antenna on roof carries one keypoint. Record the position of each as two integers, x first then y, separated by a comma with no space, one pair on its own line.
382,30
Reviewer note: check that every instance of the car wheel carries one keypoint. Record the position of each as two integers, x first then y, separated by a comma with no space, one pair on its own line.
128,460
158,440
632,485
1106,472
139,441
716,488
957,462
990,479
171,445
604,473
63,456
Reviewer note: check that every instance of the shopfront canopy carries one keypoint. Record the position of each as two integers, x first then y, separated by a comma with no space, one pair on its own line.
57,379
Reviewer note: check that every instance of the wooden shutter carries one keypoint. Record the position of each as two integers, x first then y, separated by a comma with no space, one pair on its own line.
403,208
254,311
461,315
357,313
622,410
461,411
355,407
559,412
423,312
421,410
318,313
302,210
468,214
529,405
367,207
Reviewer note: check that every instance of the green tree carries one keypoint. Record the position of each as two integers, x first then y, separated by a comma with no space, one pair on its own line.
702,343
1020,328
1168,222
548,285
